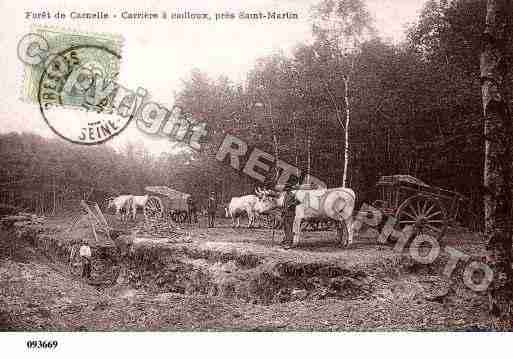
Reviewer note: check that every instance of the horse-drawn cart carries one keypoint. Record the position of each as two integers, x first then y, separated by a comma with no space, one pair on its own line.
165,202
410,201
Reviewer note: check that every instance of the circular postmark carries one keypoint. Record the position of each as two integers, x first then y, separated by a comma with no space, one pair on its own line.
76,95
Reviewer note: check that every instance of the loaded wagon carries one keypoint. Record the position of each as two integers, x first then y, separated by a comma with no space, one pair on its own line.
428,209
165,202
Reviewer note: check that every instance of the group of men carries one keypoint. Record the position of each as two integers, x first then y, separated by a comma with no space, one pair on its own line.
192,209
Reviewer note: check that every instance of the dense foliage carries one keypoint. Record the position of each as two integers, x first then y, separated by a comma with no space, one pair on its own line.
415,109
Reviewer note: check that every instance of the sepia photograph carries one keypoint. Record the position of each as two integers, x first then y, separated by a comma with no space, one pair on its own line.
299,168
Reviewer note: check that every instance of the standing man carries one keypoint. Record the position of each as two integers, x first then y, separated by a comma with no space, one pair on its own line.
85,256
211,209
191,209
288,215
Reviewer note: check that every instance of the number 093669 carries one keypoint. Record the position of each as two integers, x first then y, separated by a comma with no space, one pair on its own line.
42,344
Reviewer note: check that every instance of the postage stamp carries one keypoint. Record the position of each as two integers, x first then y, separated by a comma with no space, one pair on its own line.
75,83
59,40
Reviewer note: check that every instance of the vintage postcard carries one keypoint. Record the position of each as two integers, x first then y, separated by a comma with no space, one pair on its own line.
280,166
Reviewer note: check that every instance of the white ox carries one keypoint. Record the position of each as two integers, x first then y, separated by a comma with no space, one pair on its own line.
139,202
335,203
239,205
123,205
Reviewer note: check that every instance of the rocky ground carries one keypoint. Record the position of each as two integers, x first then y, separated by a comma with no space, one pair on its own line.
231,279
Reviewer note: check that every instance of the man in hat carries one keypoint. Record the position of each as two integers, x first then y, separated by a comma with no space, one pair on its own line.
288,214
85,257
211,209
191,209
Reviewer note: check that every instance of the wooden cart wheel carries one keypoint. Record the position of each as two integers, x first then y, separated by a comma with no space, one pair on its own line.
153,208
427,215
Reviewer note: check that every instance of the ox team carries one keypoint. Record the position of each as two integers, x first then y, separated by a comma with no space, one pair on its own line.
294,203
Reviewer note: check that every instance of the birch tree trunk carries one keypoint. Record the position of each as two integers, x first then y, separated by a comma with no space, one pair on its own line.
497,167
346,130
296,153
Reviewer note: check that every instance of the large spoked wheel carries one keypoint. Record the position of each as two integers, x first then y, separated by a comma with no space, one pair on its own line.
425,214
154,208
